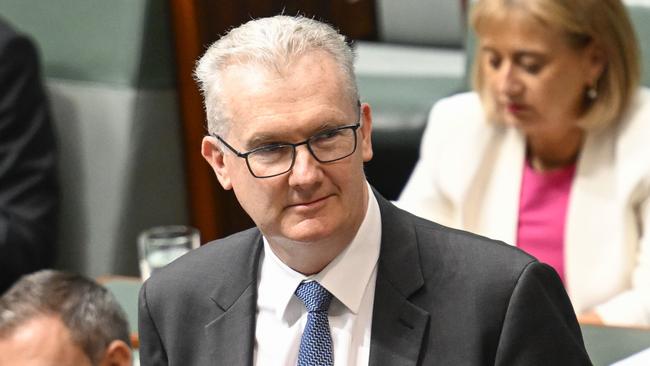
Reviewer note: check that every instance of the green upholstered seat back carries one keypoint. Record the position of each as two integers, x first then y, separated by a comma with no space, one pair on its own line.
116,42
110,76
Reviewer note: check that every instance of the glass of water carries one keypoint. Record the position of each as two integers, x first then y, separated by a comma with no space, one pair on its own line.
160,245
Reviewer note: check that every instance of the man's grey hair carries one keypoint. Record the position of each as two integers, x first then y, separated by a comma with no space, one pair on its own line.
272,43
89,311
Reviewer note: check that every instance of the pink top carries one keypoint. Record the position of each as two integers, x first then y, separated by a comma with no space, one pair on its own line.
542,214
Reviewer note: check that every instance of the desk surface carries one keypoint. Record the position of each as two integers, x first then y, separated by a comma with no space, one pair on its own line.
607,345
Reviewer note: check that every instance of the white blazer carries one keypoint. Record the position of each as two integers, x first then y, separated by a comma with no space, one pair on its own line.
469,177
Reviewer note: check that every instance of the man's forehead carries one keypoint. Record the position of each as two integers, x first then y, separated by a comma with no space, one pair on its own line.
250,76
41,340
36,326
286,126
272,102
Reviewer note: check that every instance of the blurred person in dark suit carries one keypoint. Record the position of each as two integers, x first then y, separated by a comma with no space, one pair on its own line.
63,319
29,193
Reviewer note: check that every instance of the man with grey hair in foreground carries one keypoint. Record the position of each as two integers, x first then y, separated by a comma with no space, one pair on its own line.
333,273
56,318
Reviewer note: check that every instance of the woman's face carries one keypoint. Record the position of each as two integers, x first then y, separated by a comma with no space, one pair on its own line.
536,82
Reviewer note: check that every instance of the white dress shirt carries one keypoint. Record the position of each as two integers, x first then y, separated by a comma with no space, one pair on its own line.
350,277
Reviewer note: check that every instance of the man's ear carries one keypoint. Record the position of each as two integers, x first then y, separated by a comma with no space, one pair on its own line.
366,132
117,353
215,157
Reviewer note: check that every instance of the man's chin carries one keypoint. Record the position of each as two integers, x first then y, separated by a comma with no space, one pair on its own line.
308,231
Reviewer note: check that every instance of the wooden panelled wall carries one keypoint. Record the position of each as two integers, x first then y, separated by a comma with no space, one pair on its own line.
198,23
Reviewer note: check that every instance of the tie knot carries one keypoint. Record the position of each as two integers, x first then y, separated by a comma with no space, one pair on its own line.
314,296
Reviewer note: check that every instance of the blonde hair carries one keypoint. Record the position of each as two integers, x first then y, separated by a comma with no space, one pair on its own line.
272,43
604,22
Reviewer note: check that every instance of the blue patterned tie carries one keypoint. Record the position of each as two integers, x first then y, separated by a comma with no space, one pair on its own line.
316,342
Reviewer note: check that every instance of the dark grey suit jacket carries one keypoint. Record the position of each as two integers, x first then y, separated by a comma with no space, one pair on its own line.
29,192
443,297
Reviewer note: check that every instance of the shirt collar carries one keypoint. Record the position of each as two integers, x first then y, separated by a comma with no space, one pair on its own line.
346,277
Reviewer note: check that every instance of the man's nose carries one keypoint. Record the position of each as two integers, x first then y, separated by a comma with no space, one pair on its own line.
306,169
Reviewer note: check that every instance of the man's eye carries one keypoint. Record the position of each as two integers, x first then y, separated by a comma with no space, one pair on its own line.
327,135
270,149
271,152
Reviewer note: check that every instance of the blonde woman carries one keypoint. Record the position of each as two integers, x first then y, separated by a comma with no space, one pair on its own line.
551,152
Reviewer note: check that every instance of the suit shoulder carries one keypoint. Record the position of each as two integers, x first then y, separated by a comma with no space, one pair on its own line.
7,32
18,55
462,108
476,252
201,263
9,36
459,100
455,123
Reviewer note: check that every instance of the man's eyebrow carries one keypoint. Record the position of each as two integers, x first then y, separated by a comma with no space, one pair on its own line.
263,139
266,138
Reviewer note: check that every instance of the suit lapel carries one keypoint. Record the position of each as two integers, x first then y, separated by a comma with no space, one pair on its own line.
593,193
232,333
398,326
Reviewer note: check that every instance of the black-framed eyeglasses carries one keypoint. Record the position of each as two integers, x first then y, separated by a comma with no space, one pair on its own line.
276,159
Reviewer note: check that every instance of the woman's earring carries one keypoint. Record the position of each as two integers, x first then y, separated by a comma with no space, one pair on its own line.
592,93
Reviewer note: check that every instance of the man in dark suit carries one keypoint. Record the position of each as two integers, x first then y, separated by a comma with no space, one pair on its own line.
28,178
333,274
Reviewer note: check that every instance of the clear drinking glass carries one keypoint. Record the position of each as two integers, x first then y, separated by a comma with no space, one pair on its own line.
160,245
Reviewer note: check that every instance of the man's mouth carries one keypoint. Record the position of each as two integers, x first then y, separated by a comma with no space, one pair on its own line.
310,204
